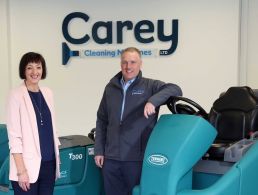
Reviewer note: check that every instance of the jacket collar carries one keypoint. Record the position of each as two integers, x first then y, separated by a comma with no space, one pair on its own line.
116,79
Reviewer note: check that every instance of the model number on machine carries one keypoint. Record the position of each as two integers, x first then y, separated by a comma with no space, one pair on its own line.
75,156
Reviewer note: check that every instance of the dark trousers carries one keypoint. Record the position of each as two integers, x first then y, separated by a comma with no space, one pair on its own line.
45,183
121,176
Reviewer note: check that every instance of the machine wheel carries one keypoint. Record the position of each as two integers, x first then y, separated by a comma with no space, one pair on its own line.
190,107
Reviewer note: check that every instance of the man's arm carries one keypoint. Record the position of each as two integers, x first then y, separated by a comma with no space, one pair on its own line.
101,126
162,91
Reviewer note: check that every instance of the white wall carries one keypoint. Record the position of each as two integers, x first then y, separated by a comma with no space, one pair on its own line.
204,64
4,53
252,44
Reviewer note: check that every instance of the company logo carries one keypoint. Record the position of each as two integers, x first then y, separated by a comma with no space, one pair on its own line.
88,53
157,159
91,151
63,174
101,32
137,91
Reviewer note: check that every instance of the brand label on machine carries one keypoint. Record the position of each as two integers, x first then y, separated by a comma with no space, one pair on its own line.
91,151
75,156
157,159
63,174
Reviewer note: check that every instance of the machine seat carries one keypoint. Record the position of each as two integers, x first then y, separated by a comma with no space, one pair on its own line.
235,116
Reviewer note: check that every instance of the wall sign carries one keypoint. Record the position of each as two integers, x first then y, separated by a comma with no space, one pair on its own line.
143,31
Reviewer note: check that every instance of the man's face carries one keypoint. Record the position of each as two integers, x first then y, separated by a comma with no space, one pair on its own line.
130,65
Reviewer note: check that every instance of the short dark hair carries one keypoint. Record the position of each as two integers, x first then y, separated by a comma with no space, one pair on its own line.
32,57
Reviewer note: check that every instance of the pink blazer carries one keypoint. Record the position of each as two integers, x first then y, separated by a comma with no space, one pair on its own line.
23,131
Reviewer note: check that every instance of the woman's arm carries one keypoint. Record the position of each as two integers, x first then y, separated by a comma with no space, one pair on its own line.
23,177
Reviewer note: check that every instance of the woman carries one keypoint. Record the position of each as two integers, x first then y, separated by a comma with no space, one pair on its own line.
33,141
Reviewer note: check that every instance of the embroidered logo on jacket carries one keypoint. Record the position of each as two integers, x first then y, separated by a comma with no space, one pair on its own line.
137,91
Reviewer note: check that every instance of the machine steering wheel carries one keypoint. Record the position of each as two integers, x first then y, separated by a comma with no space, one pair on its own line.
191,107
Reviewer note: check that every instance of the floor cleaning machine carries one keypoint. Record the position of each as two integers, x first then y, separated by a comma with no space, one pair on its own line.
189,152
79,174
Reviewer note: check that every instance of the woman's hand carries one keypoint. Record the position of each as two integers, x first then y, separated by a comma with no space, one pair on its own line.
23,181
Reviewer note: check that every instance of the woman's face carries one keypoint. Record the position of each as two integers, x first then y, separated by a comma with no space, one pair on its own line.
33,72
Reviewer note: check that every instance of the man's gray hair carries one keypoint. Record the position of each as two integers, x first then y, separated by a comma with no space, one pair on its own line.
131,49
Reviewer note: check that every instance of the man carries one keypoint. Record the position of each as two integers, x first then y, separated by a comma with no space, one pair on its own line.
126,116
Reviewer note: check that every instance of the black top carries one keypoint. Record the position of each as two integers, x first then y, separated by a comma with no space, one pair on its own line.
45,128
